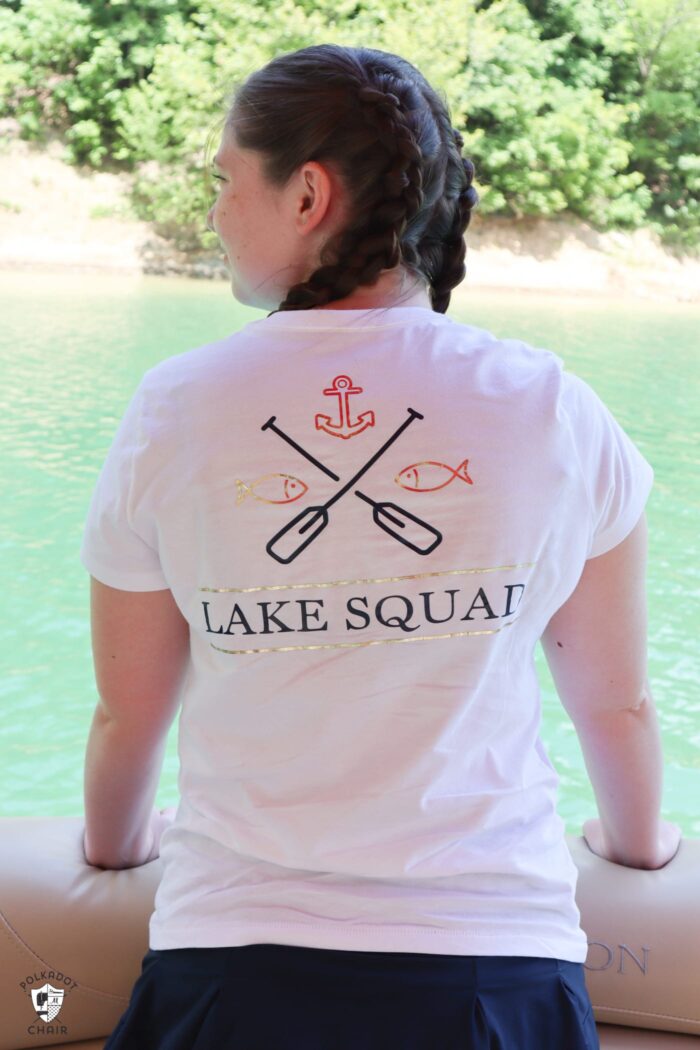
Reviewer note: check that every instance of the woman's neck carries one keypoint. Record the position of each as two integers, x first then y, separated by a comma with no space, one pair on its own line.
392,288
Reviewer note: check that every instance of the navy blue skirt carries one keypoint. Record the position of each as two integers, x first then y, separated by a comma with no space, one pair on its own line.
288,997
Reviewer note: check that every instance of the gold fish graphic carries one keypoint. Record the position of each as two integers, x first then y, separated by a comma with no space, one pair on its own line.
428,476
272,488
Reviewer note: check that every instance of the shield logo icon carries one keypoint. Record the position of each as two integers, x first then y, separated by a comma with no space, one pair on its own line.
48,1001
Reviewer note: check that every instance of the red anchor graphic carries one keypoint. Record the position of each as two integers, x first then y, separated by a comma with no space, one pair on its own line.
342,388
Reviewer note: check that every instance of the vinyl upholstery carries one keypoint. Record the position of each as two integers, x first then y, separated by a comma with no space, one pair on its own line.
84,930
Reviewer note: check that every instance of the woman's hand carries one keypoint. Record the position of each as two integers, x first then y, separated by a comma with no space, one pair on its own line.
667,843
160,820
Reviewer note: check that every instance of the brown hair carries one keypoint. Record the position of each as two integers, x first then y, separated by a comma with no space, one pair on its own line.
375,118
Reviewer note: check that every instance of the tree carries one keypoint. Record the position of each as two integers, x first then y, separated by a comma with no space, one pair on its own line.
581,106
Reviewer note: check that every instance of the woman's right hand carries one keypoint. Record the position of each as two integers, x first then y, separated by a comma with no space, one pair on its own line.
667,844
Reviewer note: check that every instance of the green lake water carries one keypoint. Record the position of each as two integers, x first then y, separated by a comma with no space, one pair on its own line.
73,348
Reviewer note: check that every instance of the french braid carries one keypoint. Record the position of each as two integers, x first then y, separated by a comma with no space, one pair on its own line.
373,242
442,248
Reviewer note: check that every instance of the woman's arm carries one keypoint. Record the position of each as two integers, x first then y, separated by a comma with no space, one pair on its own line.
140,644
596,648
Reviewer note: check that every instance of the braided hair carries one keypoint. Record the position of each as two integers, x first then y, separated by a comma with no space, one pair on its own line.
373,117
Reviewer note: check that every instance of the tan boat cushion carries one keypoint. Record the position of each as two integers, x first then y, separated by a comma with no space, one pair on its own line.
615,1037
612,1037
643,929
84,932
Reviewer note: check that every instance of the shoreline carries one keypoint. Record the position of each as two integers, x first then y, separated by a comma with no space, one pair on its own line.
55,218
637,294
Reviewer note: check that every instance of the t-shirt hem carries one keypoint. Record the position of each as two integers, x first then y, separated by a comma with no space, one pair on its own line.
121,580
611,537
426,940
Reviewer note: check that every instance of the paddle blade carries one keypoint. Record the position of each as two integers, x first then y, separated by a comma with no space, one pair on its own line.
290,541
406,527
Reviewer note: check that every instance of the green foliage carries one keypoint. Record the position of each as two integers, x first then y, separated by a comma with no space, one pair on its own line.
665,132
64,65
581,106
543,144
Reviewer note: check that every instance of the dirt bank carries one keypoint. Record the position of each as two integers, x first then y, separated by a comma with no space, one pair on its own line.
56,217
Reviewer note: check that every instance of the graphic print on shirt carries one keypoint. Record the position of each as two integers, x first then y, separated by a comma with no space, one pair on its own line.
291,540
402,525
429,475
373,610
344,427
272,488
351,613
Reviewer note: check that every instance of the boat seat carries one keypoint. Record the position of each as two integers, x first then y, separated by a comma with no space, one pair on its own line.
83,932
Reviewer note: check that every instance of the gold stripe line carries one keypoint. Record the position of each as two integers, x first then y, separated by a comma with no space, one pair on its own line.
379,579
350,645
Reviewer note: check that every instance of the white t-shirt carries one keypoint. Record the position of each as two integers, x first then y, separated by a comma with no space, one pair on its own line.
368,518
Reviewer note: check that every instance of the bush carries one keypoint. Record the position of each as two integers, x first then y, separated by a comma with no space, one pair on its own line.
581,106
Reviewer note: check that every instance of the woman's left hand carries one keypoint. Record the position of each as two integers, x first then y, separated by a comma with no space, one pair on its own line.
149,847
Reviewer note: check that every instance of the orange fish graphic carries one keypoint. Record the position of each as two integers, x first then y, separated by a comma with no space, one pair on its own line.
272,488
428,476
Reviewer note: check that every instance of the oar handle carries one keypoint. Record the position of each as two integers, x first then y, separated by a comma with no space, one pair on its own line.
305,526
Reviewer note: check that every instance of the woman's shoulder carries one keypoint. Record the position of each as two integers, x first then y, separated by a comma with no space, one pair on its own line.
507,367
202,363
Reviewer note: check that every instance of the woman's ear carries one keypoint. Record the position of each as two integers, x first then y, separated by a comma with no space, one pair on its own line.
314,196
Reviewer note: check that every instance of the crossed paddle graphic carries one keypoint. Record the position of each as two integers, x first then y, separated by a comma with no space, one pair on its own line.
297,534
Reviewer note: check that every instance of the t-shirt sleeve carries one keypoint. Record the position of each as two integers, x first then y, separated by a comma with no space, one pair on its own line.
120,546
617,477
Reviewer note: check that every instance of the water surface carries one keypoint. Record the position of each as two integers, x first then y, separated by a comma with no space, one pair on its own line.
74,347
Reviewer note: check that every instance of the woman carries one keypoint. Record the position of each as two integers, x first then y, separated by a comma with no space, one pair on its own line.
335,538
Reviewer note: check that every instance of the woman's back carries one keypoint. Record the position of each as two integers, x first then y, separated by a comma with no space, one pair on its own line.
362,703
